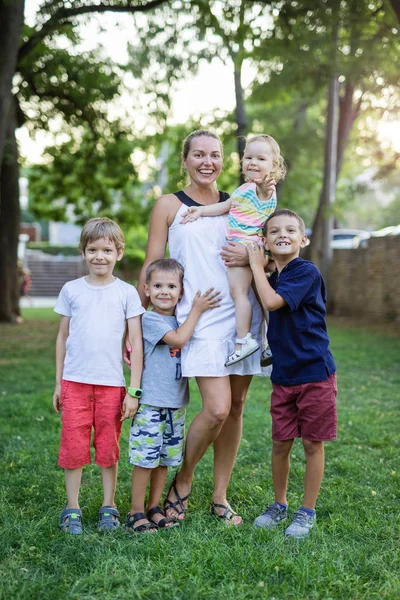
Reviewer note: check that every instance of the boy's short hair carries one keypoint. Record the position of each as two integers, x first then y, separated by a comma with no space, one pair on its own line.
285,212
101,227
167,265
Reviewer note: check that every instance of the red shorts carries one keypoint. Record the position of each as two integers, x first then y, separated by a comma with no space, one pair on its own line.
84,406
306,410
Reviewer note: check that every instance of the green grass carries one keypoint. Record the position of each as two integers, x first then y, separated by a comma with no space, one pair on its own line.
353,553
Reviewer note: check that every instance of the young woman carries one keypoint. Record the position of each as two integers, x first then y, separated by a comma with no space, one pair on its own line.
202,252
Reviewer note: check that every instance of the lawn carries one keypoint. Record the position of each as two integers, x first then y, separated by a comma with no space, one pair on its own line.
353,553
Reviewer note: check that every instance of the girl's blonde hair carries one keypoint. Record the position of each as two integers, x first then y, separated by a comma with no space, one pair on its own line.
280,170
101,227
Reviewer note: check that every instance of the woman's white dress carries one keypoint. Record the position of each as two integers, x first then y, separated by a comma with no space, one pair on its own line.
197,247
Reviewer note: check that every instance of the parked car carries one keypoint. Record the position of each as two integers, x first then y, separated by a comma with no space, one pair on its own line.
392,230
348,238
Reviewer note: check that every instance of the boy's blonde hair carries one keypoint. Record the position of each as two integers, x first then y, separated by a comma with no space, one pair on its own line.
280,170
166,265
101,227
285,212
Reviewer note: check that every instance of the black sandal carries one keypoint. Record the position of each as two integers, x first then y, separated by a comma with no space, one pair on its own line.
227,515
164,523
145,527
177,505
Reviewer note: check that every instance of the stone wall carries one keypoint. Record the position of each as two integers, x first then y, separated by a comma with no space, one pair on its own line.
366,281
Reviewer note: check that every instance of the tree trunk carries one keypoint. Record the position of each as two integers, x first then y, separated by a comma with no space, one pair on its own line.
320,251
396,7
241,118
9,222
11,20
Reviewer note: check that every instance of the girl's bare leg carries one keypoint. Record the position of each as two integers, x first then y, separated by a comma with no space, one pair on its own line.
240,279
205,427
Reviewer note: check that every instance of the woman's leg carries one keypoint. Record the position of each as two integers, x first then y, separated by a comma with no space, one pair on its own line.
203,430
227,443
239,283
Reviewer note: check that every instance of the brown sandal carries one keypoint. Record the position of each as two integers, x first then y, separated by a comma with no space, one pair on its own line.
227,515
178,505
165,522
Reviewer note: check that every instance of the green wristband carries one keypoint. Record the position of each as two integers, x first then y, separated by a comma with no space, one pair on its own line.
135,392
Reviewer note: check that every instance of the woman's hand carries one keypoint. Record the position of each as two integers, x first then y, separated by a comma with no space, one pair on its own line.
234,255
192,214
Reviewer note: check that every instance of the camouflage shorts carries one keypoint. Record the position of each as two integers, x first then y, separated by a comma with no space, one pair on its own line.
156,437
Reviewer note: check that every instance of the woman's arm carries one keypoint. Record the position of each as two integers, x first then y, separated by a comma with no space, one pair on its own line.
162,215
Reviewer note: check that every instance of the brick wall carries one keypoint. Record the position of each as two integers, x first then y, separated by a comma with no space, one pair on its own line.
366,281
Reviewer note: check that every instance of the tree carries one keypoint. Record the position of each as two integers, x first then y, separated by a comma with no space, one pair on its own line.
226,31
366,58
55,18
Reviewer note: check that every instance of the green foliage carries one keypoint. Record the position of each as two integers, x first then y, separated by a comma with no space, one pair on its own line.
93,174
353,551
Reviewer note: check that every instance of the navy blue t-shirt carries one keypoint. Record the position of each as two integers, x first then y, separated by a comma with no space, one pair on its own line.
297,332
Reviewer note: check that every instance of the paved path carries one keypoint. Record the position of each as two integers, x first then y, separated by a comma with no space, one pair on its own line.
37,302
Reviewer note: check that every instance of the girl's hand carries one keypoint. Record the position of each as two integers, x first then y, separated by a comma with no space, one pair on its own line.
57,398
265,187
209,299
192,214
257,257
129,407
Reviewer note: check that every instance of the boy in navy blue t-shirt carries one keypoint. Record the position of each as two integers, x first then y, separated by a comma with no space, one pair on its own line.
303,400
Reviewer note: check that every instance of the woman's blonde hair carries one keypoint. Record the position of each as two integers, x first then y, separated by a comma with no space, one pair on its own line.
280,170
101,227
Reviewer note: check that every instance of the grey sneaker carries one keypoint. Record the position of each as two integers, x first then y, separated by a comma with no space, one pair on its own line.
302,524
274,515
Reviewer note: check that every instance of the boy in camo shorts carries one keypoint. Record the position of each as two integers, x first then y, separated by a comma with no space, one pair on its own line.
157,431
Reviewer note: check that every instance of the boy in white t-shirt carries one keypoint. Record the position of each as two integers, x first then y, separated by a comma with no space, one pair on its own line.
90,386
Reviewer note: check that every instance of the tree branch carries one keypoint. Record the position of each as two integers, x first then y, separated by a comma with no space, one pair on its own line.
62,15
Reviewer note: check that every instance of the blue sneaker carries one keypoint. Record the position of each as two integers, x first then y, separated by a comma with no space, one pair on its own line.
302,524
274,515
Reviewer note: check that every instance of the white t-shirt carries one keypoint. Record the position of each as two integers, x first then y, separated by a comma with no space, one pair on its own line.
96,329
